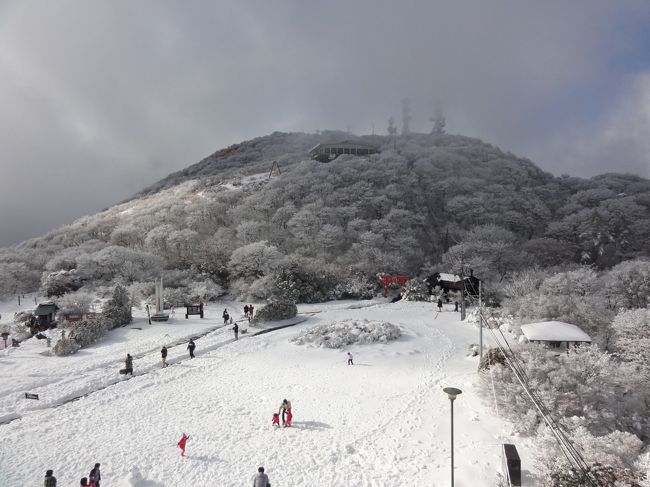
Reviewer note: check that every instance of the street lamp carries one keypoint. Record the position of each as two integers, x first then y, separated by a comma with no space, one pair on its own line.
452,392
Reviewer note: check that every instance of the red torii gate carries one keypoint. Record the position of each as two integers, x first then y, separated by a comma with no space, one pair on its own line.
387,280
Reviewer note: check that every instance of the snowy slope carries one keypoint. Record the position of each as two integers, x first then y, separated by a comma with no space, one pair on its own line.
383,421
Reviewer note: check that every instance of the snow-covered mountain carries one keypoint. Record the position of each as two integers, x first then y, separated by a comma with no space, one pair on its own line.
424,201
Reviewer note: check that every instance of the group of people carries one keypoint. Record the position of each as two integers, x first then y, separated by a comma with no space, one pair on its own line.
128,363
440,305
249,310
285,411
93,479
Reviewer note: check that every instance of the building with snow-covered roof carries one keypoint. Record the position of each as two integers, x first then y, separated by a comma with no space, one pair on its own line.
555,333
329,152
453,282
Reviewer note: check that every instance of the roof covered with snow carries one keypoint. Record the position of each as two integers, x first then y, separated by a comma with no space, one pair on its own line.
554,331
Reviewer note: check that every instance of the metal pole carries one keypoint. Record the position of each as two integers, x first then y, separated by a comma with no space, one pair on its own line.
480,319
452,443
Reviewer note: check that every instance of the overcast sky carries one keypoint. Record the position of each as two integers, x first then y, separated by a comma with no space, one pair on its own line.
99,99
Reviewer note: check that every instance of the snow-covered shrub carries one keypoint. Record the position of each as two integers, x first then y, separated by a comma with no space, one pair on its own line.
343,333
86,332
608,456
276,311
355,286
117,310
299,282
20,331
60,282
79,302
66,346
207,289
416,290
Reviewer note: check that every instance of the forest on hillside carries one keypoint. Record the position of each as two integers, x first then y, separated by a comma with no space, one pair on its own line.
320,231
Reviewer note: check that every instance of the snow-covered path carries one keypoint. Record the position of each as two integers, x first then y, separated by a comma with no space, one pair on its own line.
383,421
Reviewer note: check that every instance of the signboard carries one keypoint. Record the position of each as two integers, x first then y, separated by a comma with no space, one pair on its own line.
31,396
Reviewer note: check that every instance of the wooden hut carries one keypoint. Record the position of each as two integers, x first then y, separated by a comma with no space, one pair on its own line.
45,314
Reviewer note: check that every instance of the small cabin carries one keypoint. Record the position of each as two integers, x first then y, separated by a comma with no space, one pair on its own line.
555,334
454,283
329,152
45,314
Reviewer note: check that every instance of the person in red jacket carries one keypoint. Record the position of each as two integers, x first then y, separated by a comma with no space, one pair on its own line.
287,422
181,443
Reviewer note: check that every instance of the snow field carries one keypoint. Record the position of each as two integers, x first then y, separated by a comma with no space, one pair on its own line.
383,421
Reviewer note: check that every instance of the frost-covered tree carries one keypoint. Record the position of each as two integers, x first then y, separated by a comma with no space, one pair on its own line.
254,260
117,310
631,340
628,284
416,290
60,283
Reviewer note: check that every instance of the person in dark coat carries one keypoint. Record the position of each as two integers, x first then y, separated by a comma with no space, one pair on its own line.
245,311
50,479
225,316
439,304
191,346
95,475
455,305
163,354
261,479
128,364
284,407
236,330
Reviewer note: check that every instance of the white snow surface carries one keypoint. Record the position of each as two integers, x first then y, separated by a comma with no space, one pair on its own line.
554,331
383,421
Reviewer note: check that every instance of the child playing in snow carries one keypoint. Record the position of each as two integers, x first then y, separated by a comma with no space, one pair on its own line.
276,420
287,422
181,443
350,362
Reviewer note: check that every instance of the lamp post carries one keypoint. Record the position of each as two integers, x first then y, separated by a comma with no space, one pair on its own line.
452,392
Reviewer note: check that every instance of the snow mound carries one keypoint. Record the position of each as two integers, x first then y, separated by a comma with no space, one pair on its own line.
339,334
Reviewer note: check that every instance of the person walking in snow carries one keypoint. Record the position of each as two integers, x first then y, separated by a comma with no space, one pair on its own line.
284,407
163,354
251,310
261,479
50,479
350,362
191,346
173,310
95,476
455,305
439,305
181,443
236,330
128,365
245,311
225,316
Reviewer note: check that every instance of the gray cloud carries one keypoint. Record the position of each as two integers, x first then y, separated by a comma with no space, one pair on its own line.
100,99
